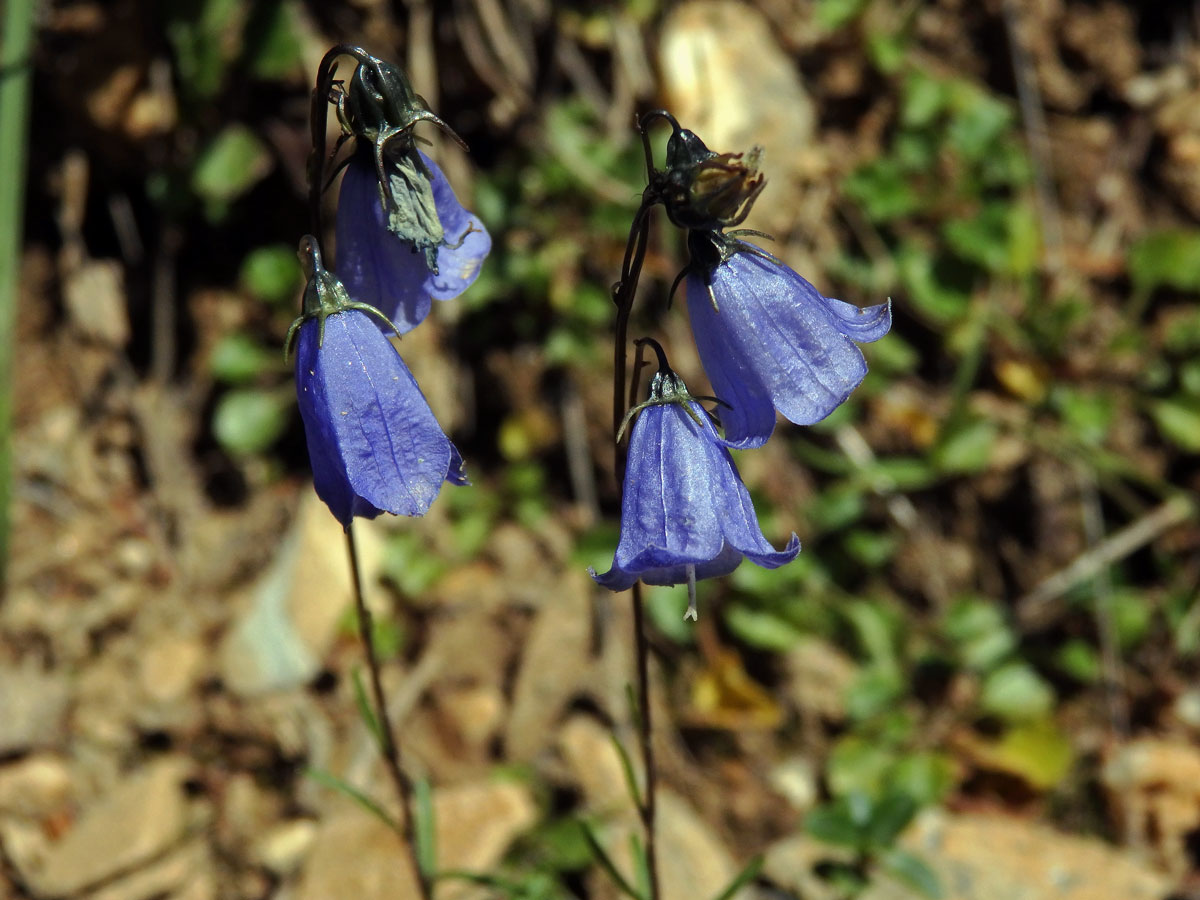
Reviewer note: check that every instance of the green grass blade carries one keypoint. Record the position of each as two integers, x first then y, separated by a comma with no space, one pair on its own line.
16,42
607,864
329,780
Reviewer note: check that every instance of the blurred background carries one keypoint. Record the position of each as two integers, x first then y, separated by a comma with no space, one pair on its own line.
978,679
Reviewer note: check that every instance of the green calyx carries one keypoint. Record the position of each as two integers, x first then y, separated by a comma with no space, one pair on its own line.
324,296
665,387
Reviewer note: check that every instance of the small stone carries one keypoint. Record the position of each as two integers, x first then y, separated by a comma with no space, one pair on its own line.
138,820
475,712
294,609
595,764
356,855
282,849
32,707
95,299
169,668
34,787
178,869
551,671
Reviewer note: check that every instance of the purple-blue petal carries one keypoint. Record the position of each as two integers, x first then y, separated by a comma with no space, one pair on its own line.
684,504
773,330
467,242
379,268
746,410
373,441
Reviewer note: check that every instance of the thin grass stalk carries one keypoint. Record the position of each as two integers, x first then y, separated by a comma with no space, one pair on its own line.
389,748
16,43
623,295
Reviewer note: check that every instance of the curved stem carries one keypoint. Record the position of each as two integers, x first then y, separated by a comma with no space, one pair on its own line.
648,808
388,747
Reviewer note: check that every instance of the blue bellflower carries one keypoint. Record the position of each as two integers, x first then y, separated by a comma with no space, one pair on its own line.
401,275
373,441
770,341
685,513
403,239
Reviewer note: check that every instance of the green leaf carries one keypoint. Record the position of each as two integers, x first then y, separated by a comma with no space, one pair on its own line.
272,274
1016,692
858,764
979,119
606,863
366,711
205,35
930,287
889,817
913,871
831,15
884,190
424,827
274,42
925,776
248,421
923,99
631,783
870,548
230,165
1038,752
330,780
1079,659
1168,258
238,359
875,690
743,878
978,633
1178,418
1087,414
761,628
966,449
836,507
833,824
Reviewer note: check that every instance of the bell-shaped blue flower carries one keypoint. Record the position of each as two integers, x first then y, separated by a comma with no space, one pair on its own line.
770,341
684,506
407,242
373,441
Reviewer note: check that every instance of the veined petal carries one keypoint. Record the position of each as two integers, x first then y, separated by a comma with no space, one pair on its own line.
863,324
467,242
746,410
368,426
781,328
375,265
380,268
667,514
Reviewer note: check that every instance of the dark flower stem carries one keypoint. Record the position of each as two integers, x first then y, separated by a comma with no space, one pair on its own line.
623,295
389,749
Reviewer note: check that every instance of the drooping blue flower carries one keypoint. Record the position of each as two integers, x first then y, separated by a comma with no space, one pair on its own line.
373,441
684,504
399,275
770,341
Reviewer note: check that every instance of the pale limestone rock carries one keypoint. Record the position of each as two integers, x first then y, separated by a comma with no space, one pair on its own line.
34,787
292,612
554,662
32,707
727,78
136,821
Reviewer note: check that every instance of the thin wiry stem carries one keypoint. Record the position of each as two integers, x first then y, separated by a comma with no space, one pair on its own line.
623,295
389,749
647,809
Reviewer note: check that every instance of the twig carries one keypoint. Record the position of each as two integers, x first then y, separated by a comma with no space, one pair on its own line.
1036,136
388,749
1110,657
1034,608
